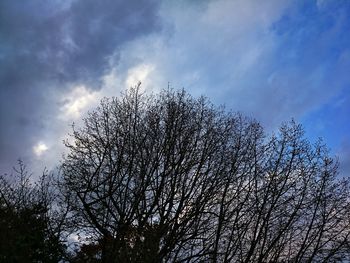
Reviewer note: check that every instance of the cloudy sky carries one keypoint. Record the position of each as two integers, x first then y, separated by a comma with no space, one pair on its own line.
272,60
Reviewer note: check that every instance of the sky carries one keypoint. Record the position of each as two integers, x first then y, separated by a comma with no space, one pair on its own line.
271,60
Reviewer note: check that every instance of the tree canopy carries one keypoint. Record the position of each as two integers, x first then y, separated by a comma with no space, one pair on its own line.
171,178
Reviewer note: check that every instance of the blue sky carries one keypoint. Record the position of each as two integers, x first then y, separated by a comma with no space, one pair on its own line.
272,60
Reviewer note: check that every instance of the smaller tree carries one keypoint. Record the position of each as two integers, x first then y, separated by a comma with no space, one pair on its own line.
27,232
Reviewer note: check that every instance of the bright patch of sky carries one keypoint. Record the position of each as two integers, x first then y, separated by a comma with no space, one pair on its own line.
40,148
77,101
137,74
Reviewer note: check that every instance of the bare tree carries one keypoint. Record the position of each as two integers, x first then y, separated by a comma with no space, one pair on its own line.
28,230
293,207
170,178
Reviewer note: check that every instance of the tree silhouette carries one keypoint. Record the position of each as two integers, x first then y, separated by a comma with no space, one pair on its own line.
170,178
27,231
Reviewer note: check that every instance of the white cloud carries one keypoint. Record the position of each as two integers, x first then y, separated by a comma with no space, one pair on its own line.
78,101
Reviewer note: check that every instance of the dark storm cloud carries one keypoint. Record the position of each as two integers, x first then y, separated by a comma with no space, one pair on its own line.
96,28
46,46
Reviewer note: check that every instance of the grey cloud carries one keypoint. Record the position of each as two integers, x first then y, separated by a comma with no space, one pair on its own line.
47,46
96,28
72,43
